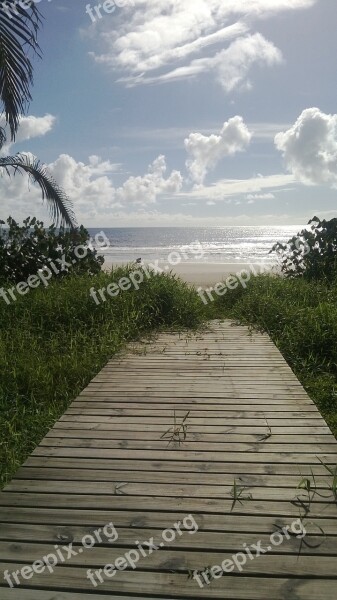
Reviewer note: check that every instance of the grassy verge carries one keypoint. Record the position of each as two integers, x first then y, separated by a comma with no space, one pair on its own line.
301,318
54,340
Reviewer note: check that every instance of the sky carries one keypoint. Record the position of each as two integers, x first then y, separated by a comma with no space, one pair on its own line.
183,112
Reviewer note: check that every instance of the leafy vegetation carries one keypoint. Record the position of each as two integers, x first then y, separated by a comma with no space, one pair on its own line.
312,253
26,249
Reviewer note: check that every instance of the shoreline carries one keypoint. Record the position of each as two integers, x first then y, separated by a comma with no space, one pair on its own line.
204,274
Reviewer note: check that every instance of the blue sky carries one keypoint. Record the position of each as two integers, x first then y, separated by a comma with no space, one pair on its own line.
185,112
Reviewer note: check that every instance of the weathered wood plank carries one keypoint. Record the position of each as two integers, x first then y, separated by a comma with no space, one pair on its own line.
179,586
192,436
205,540
159,476
166,504
239,418
187,445
178,466
183,560
206,429
163,490
58,519
245,457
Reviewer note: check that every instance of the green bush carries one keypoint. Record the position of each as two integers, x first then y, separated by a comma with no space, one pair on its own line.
312,253
26,249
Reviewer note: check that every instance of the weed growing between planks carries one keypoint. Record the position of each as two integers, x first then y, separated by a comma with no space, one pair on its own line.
177,433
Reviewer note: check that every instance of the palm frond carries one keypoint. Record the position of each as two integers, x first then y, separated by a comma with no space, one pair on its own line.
3,137
58,202
18,31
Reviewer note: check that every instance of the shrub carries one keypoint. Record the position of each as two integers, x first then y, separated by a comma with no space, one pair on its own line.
312,253
26,249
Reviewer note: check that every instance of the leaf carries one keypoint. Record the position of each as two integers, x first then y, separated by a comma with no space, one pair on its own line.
18,30
58,202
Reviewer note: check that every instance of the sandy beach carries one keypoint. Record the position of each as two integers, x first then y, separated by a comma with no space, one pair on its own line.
201,273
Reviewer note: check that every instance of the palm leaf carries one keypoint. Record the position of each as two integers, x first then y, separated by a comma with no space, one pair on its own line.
58,202
18,31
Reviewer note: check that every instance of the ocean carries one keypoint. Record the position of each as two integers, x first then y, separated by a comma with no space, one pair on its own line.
219,244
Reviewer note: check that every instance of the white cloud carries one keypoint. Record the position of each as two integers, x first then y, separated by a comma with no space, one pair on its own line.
233,65
145,189
87,185
91,188
230,66
309,147
266,196
30,127
207,151
165,40
226,188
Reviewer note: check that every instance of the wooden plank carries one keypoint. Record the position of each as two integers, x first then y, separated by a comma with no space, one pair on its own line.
25,533
296,420
192,436
245,457
182,560
261,404
58,520
165,445
166,504
165,490
157,476
206,429
237,468
23,594
218,405
179,586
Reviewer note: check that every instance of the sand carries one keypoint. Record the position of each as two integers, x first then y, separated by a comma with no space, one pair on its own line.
205,274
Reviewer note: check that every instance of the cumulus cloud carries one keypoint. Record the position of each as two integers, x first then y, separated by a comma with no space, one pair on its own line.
88,185
309,147
145,189
206,151
91,188
166,40
30,127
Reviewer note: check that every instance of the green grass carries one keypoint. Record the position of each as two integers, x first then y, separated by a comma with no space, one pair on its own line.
301,318
53,341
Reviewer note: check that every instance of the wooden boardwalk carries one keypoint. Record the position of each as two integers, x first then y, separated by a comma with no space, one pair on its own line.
105,461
